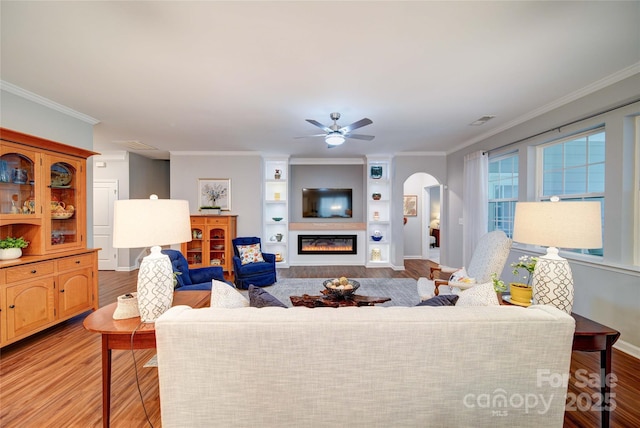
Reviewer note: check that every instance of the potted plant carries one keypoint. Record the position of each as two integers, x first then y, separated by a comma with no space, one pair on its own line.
498,285
521,292
213,192
11,248
210,210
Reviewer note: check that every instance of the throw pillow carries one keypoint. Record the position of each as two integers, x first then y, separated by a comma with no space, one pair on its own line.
259,298
250,254
441,300
461,276
225,296
426,288
478,295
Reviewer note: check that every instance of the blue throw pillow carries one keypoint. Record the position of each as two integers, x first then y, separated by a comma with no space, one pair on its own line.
442,300
259,298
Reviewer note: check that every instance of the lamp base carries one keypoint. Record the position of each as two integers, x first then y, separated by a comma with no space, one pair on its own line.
155,285
553,281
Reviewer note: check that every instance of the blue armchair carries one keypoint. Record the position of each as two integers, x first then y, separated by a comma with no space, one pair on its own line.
193,279
260,274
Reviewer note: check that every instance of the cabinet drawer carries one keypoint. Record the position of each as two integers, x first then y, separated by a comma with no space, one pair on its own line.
222,220
85,260
197,222
35,270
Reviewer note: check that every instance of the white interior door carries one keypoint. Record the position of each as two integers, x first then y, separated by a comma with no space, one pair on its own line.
105,193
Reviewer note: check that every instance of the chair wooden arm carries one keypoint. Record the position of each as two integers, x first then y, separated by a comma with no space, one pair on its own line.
438,283
433,270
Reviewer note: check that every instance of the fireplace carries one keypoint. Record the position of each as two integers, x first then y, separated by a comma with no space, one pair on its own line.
327,244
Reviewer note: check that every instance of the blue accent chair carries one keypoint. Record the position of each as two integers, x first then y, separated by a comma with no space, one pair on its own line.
260,274
193,279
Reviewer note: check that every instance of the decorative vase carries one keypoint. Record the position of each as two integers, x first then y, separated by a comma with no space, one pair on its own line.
155,285
553,283
376,196
277,175
10,253
376,172
520,294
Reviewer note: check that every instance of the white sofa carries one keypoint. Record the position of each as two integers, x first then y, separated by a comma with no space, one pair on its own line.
364,367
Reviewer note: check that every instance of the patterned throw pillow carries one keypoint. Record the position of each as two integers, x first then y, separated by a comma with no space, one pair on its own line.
250,254
225,296
478,295
461,279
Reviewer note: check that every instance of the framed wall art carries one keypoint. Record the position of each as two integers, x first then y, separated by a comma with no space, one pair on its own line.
410,206
214,193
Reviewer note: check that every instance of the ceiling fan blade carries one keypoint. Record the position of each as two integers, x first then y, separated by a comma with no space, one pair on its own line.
319,125
356,125
360,136
314,135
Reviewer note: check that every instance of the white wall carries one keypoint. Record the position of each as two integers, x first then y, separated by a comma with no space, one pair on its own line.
607,291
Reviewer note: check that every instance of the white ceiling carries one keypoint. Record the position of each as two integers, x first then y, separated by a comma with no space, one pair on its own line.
238,76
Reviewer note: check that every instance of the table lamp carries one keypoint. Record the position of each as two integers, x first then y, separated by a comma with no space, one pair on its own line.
557,224
151,223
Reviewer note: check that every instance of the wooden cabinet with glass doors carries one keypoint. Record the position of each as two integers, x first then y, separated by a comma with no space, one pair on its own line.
43,199
211,242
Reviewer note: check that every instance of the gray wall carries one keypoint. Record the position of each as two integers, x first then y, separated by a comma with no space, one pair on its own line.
336,176
148,176
607,291
20,114
245,172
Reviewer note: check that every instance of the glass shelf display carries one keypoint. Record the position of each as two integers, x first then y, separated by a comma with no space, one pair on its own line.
17,179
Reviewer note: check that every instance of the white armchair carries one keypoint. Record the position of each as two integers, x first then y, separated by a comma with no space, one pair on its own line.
489,256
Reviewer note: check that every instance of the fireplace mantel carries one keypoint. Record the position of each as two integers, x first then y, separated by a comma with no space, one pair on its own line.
327,226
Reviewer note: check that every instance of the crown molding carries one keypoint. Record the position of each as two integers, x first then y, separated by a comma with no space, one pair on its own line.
23,93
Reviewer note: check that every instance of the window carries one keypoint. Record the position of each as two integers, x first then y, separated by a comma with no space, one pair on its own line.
573,170
503,192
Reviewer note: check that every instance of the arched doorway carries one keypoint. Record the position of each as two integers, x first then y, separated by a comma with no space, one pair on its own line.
419,222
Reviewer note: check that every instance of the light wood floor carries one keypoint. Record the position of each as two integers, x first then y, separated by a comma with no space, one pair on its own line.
53,379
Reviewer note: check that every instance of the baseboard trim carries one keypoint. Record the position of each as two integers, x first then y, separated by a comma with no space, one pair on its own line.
628,348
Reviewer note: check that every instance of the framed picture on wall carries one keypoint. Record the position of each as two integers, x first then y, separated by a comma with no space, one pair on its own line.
214,193
410,206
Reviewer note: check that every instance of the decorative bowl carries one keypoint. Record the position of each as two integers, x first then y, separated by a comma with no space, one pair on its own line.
62,215
276,218
345,291
376,238
217,247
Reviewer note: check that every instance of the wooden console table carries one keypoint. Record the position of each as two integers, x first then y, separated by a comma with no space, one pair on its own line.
116,334
591,336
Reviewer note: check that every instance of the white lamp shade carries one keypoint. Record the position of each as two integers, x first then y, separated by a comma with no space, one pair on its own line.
141,223
558,224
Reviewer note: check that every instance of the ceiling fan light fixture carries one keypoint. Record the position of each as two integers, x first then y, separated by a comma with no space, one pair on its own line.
334,139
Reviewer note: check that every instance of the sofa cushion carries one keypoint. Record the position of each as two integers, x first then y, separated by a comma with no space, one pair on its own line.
441,300
225,296
250,254
478,295
260,298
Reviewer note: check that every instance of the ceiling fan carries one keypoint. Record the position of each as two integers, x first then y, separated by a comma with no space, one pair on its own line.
335,134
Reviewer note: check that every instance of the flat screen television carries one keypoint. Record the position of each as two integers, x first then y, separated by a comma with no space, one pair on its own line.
327,203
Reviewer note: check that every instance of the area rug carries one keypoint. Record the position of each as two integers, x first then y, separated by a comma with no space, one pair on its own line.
403,291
